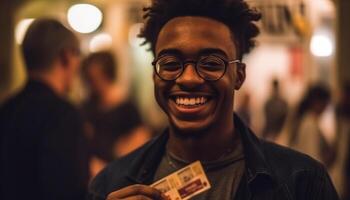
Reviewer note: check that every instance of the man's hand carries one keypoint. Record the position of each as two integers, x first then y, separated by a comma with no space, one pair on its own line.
136,192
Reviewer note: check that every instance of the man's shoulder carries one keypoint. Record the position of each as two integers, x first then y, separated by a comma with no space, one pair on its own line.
28,98
37,109
286,162
116,174
298,174
119,167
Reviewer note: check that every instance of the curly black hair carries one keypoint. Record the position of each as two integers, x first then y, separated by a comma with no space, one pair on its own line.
236,14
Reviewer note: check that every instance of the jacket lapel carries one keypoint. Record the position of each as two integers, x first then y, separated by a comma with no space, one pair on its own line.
143,168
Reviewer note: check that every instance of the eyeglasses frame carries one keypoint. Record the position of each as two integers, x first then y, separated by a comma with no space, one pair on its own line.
195,63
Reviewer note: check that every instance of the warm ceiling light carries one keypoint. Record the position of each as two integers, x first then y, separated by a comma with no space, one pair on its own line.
84,18
21,29
102,41
321,45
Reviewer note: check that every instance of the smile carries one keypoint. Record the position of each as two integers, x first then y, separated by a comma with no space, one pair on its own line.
190,101
189,106
192,106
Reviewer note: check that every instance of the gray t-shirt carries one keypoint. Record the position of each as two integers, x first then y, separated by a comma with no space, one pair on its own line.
224,174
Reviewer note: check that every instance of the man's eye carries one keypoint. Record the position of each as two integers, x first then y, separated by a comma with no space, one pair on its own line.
211,66
169,63
170,66
211,63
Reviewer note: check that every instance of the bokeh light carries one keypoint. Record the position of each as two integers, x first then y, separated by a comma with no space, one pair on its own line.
102,41
84,18
321,45
21,29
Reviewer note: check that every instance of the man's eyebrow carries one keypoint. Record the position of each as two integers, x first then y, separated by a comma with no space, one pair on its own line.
205,51
169,51
208,51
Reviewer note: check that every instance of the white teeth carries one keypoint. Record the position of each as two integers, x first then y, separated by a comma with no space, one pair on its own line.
190,101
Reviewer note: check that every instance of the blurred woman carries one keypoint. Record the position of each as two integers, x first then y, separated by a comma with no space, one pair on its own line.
114,123
307,136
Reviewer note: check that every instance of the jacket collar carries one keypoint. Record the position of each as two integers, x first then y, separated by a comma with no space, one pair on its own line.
38,87
143,168
257,165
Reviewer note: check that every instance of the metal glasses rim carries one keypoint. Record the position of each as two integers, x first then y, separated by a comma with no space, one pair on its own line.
225,61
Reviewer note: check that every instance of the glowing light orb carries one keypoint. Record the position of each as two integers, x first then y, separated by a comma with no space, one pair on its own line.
321,45
84,18
102,41
21,29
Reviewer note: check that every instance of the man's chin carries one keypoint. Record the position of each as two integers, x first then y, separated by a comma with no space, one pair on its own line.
189,129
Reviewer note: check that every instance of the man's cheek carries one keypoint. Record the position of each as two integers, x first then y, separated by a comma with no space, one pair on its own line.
158,95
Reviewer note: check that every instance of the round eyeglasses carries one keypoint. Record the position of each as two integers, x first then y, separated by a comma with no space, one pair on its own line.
210,68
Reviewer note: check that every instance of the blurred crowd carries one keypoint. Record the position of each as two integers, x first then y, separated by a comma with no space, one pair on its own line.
49,144
307,127
108,125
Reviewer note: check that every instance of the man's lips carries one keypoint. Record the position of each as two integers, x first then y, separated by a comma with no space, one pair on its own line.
190,98
190,103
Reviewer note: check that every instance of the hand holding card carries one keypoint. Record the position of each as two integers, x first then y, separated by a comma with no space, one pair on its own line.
184,183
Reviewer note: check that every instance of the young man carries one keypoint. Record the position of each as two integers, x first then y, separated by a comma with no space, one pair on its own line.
43,153
198,48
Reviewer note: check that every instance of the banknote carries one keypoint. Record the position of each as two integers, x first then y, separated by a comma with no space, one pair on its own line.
184,183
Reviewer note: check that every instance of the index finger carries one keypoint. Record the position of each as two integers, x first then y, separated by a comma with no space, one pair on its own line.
134,190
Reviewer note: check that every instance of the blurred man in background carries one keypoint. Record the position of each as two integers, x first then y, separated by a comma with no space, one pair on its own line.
275,111
306,134
342,163
43,150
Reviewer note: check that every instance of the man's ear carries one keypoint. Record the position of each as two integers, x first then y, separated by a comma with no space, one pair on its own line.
240,78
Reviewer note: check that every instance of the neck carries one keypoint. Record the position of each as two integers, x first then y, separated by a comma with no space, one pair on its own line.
50,78
205,146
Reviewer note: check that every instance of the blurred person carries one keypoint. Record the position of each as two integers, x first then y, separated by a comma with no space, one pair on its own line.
307,136
115,123
198,48
342,164
43,147
343,107
275,112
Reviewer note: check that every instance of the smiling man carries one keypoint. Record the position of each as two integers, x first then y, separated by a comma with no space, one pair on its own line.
198,48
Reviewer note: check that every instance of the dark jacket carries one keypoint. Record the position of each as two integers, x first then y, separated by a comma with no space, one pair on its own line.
272,172
43,151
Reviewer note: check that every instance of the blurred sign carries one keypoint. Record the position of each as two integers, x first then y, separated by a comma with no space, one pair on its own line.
282,17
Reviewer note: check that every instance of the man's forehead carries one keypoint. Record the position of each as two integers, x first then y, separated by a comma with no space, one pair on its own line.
202,32
182,24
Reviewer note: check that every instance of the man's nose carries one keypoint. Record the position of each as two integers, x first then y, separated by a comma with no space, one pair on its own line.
189,77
